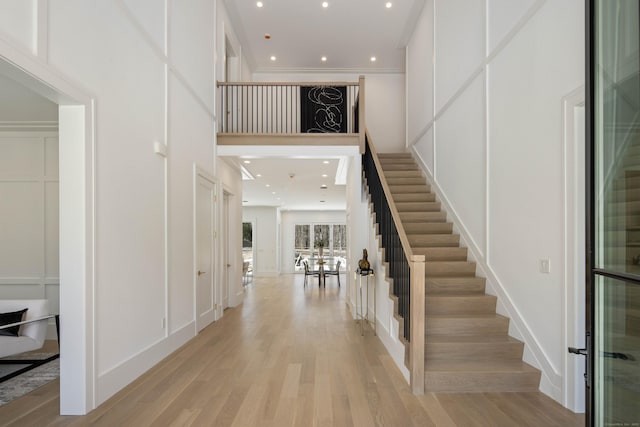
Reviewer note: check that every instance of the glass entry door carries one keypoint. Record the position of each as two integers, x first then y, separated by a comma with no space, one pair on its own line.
613,250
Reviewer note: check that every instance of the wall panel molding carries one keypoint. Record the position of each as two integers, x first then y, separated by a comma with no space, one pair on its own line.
37,282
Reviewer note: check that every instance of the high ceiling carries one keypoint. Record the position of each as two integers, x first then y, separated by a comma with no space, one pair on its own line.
347,32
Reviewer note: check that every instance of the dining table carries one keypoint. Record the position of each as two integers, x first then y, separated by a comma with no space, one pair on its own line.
320,266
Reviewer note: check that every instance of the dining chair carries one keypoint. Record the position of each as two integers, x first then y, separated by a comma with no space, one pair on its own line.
308,272
335,272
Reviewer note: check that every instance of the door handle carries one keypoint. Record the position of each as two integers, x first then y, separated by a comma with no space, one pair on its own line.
580,351
200,273
585,352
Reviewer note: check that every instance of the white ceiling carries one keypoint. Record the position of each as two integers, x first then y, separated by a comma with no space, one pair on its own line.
295,182
347,32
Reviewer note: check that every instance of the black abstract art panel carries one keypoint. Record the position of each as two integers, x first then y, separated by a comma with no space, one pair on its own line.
323,109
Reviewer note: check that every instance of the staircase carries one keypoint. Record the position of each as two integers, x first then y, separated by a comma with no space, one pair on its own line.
467,346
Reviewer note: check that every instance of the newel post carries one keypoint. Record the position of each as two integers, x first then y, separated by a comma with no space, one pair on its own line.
417,302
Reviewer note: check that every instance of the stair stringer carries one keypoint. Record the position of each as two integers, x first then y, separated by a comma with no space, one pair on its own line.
551,380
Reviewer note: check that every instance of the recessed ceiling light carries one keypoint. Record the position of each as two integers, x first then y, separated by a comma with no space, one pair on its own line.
259,175
324,175
324,58
267,36
326,162
325,4
259,4
373,59
323,187
268,185
273,192
273,58
388,5
246,162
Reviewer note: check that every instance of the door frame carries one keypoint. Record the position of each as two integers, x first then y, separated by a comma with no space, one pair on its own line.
574,249
229,261
77,215
198,174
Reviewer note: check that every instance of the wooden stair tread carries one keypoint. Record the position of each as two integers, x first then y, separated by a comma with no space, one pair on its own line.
399,181
418,206
450,268
414,197
442,253
393,155
454,284
420,228
409,188
472,339
500,365
466,316
462,295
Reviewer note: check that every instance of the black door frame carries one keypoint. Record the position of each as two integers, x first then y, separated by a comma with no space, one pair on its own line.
590,208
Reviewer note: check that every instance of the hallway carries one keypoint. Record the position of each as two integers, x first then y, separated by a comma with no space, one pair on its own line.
287,356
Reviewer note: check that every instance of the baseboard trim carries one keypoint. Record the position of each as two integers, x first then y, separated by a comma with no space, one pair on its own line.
115,379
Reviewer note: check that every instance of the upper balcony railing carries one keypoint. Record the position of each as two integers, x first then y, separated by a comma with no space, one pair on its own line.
268,113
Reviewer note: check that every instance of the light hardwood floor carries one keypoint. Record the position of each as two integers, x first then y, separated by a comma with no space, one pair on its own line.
287,356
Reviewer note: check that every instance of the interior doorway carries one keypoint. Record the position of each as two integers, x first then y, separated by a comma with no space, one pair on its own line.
248,251
227,250
205,294
76,228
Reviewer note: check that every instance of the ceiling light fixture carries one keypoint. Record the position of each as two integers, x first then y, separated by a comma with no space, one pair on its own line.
323,187
259,175
268,185
267,36
388,5
324,58
325,4
326,162
324,175
273,58
247,162
373,59
259,4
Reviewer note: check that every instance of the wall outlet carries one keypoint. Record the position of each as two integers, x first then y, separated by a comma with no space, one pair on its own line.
545,265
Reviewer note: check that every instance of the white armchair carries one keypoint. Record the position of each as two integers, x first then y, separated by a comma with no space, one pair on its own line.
33,331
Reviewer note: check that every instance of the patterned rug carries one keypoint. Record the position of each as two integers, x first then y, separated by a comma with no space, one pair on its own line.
28,381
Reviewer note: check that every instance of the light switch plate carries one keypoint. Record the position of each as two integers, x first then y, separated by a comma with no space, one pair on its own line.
545,265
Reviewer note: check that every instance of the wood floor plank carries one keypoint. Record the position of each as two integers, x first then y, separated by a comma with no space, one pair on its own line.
289,356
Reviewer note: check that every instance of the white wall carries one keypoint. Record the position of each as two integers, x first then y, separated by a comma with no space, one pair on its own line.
289,221
29,230
485,88
384,103
150,72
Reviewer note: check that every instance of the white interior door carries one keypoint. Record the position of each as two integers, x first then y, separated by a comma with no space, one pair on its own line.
227,250
205,228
